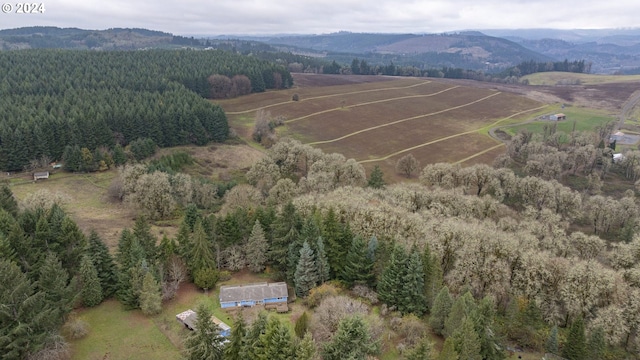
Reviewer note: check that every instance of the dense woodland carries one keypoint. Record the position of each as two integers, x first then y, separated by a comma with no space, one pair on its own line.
50,99
485,258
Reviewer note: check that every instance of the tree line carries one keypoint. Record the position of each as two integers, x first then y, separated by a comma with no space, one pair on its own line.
51,99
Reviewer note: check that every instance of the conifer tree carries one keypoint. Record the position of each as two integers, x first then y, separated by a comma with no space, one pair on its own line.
150,296
191,216
252,344
358,268
166,250
482,318
282,249
72,244
337,239
200,256
277,342
142,232
233,349
351,341
422,351
306,275
183,241
596,345
441,308
8,201
376,178
125,245
552,342
26,319
104,264
322,263
575,348
412,294
302,324
372,248
459,311
256,248
448,351
466,341
91,290
54,283
205,342
432,276
306,348
391,284
119,156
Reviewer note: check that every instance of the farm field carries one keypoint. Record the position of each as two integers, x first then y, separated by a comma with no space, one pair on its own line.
376,123
553,77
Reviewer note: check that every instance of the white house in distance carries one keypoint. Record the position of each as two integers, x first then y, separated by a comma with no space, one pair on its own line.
270,295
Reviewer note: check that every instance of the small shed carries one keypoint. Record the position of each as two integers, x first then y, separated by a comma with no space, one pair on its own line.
618,157
188,319
557,117
271,295
40,175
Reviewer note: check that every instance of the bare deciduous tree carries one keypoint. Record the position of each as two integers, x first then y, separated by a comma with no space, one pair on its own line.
407,165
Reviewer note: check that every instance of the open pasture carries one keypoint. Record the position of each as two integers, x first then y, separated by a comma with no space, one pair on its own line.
376,123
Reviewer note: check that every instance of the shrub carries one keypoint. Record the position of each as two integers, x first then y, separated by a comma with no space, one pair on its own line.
295,97
316,295
75,329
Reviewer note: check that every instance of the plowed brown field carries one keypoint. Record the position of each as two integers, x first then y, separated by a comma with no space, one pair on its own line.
380,119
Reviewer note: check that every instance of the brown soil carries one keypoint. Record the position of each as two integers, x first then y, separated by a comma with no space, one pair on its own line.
317,80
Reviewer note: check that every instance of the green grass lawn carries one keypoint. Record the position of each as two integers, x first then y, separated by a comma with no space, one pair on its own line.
585,120
119,334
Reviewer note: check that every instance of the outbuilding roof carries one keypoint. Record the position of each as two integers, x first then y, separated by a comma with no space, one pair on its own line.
253,292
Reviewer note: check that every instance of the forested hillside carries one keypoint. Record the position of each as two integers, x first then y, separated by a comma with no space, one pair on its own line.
50,99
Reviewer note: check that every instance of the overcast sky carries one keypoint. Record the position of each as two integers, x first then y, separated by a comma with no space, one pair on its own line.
217,17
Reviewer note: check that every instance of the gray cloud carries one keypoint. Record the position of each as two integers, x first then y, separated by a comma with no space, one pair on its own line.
186,17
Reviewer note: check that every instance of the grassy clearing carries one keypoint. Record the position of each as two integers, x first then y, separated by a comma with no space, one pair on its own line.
585,120
553,78
119,334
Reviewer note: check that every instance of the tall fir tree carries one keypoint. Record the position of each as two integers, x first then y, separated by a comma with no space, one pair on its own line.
90,283
27,319
352,340
596,346
440,310
142,232
183,241
104,264
412,294
391,284
337,239
8,201
461,308
358,268
256,248
482,317
306,275
448,351
552,341
306,349
279,253
301,325
59,291
277,342
421,351
466,341
150,295
252,344
233,349
205,342
322,263
191,215
576,347
201,255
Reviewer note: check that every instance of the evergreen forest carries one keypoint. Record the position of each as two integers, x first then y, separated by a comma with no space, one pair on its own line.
51,99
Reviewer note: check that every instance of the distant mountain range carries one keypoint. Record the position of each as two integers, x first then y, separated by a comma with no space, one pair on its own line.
608,50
